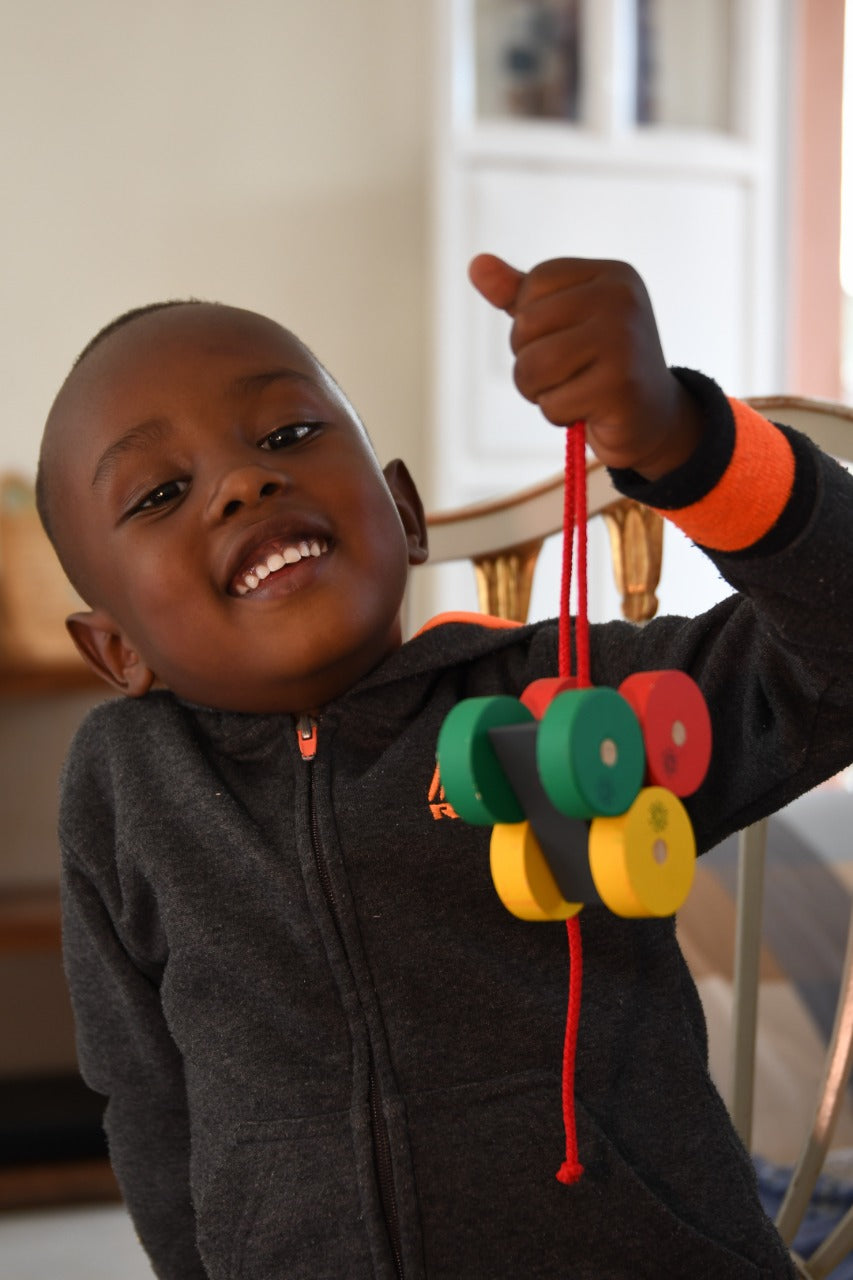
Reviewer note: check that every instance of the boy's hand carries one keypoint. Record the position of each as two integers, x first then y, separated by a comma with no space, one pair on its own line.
586,347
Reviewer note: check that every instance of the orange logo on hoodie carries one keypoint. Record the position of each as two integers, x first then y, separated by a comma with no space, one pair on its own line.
440,806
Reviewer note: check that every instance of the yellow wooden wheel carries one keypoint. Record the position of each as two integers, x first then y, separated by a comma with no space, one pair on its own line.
642,861
522,877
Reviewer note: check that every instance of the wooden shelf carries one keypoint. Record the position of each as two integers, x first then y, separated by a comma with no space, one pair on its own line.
61,1183
23,681
29,920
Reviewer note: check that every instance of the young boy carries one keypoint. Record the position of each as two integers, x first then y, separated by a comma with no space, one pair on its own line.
328,1050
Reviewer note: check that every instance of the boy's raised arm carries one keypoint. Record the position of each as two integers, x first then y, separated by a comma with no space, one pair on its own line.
770,510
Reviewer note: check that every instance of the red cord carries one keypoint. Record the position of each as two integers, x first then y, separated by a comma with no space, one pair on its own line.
574,525
574,519
569,513
578,436
571,1168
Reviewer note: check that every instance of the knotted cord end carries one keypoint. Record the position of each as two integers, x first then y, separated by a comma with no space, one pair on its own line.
569,1173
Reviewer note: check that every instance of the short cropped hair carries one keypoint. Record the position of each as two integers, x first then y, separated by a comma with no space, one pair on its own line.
127,316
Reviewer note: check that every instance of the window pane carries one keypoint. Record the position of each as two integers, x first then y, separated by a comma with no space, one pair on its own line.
684,63
528,58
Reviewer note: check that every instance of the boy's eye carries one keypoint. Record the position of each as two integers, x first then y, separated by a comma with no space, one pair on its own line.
284,436
162,495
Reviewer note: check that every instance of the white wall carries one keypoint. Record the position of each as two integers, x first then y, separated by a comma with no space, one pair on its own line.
267,153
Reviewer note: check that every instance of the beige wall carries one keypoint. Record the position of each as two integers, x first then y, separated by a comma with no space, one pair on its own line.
270,153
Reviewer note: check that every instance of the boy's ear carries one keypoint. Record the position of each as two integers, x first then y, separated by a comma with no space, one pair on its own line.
103,647
410,507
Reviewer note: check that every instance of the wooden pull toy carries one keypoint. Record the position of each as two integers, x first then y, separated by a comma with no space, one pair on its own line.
582,786
573,821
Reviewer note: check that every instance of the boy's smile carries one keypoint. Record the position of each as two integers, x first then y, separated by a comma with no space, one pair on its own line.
264,565
220,507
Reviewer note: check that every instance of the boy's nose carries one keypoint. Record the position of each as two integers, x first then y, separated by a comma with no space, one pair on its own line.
243,487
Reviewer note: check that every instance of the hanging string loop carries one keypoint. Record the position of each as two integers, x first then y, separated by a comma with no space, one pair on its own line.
574,531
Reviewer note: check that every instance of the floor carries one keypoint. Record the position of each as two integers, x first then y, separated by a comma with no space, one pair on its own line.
74,1244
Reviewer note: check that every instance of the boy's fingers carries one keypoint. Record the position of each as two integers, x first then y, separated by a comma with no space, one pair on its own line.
560,310
496,280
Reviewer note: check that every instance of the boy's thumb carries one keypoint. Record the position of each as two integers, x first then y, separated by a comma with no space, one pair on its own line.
496,280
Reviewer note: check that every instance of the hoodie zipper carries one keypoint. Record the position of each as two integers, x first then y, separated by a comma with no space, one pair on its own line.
384,1174
306,732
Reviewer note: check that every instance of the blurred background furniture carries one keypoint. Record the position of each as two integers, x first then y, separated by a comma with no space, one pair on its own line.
52,1148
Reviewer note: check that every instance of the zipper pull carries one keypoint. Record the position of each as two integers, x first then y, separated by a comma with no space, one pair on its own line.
306,736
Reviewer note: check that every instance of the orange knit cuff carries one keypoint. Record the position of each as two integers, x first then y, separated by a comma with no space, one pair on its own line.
752,492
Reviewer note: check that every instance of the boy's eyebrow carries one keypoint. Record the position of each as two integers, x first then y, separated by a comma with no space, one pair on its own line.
257,381
138,437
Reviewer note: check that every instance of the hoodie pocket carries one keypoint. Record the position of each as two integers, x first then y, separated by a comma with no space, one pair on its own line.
283,1201
486,1158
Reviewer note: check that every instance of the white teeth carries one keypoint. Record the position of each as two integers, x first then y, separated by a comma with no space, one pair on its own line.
277,560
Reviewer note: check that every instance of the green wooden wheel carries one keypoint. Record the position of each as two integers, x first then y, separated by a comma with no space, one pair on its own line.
473,780
589,752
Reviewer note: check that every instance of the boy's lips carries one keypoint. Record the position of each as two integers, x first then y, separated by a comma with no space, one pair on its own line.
267,555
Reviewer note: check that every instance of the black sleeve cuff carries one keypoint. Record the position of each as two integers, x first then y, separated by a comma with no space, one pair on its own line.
706,466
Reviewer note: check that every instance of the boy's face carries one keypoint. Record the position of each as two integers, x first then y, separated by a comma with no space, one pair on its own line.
225,515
